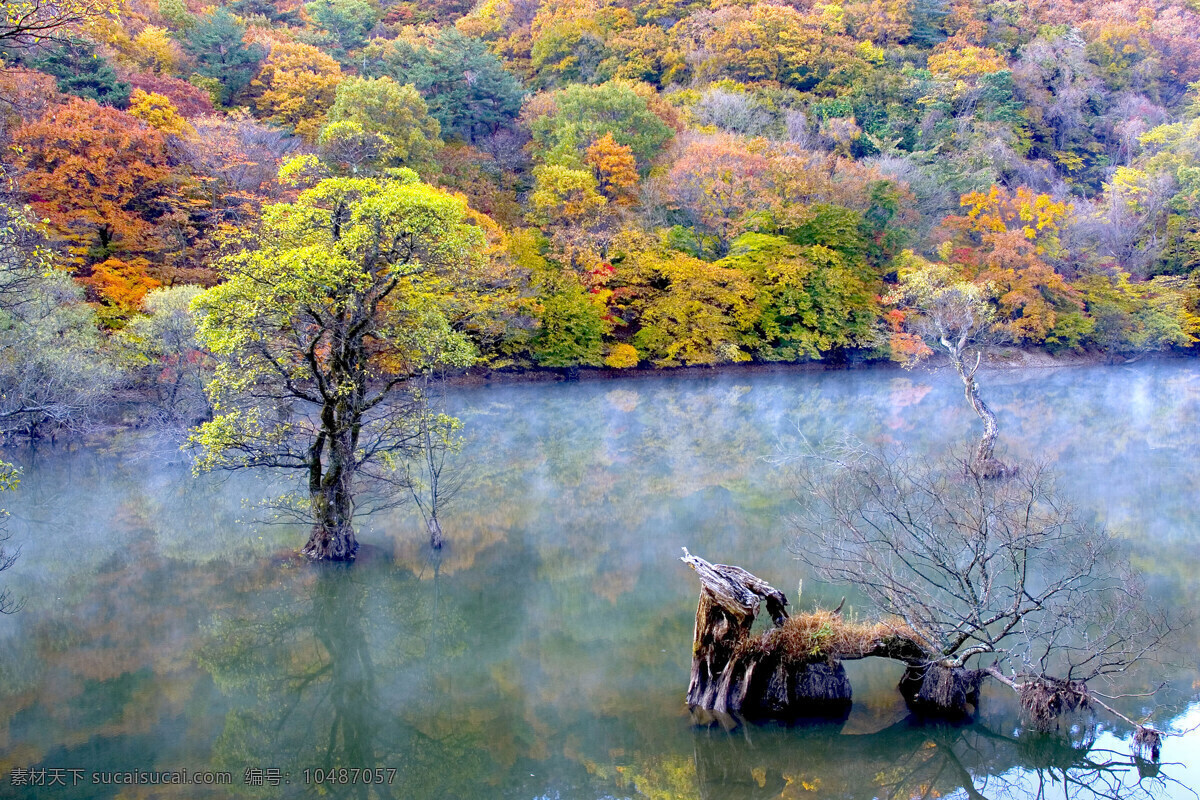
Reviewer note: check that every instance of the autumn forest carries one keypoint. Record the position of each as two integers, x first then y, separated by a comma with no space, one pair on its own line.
648,183
294,243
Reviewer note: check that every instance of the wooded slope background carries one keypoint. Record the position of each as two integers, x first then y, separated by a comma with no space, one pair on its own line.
661,182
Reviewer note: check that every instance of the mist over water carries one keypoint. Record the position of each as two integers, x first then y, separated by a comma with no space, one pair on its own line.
545,652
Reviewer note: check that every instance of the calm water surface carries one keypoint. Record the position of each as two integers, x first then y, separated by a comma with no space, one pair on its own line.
545,652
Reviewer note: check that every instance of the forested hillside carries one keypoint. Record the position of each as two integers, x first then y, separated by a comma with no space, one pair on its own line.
655,182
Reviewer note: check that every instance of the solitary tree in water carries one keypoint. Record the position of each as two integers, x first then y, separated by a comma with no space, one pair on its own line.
945,312
336,301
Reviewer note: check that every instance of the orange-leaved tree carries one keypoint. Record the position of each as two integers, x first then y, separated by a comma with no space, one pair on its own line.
98,174
1007,239
615,169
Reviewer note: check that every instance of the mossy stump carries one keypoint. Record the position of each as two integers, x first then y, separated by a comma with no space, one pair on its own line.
733,672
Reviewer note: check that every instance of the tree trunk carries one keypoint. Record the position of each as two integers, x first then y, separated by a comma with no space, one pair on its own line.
985,459
944,692
730,675
332,537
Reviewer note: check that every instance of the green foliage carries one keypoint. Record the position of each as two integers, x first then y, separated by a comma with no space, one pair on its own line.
80,71
577,116
397,113
1136,318
347,21
347,146
467,88
810,300
834,227
335,302
564,196
216,44
571,327
176,13
1070,333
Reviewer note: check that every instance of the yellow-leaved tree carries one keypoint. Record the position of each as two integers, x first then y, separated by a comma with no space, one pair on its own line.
338,300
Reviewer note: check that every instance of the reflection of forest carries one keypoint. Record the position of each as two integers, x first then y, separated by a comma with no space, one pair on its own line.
547,649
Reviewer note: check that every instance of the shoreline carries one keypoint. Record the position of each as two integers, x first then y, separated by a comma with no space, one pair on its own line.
1001,359
128,413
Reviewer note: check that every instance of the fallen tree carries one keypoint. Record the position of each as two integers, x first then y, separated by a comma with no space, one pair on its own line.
974,579
791,669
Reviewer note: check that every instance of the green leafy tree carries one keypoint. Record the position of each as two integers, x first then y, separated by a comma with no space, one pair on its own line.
339,299
568,121
349,148
81,72
176,12
812,301
467,88
347,21
571,326
383,107
216,43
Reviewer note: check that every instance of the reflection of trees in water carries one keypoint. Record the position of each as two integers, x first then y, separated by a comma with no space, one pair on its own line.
913,760
556,627
348,667
319,710
103,680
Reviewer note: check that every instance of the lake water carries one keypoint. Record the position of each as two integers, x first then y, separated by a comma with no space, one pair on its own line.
545,652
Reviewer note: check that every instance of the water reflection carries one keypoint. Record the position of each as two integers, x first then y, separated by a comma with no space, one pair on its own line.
912,760
545,653
300,664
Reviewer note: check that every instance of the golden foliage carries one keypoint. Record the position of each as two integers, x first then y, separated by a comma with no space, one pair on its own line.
296,86
156,111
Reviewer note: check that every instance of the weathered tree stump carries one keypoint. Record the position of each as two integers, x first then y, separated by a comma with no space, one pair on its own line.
733,673
795,669
938,691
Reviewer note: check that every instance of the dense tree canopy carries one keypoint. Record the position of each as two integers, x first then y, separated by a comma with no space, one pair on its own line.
216,44
78,173
467,88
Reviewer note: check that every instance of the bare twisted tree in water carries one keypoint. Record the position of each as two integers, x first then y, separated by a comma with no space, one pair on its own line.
993,579
947,314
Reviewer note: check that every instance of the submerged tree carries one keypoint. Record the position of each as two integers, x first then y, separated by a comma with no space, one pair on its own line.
988,579
337,300
946,312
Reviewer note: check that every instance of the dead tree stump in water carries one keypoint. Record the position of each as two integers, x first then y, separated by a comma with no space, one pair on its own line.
730,674
940,691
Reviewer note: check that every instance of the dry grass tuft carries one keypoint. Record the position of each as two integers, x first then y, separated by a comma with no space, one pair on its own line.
824,635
